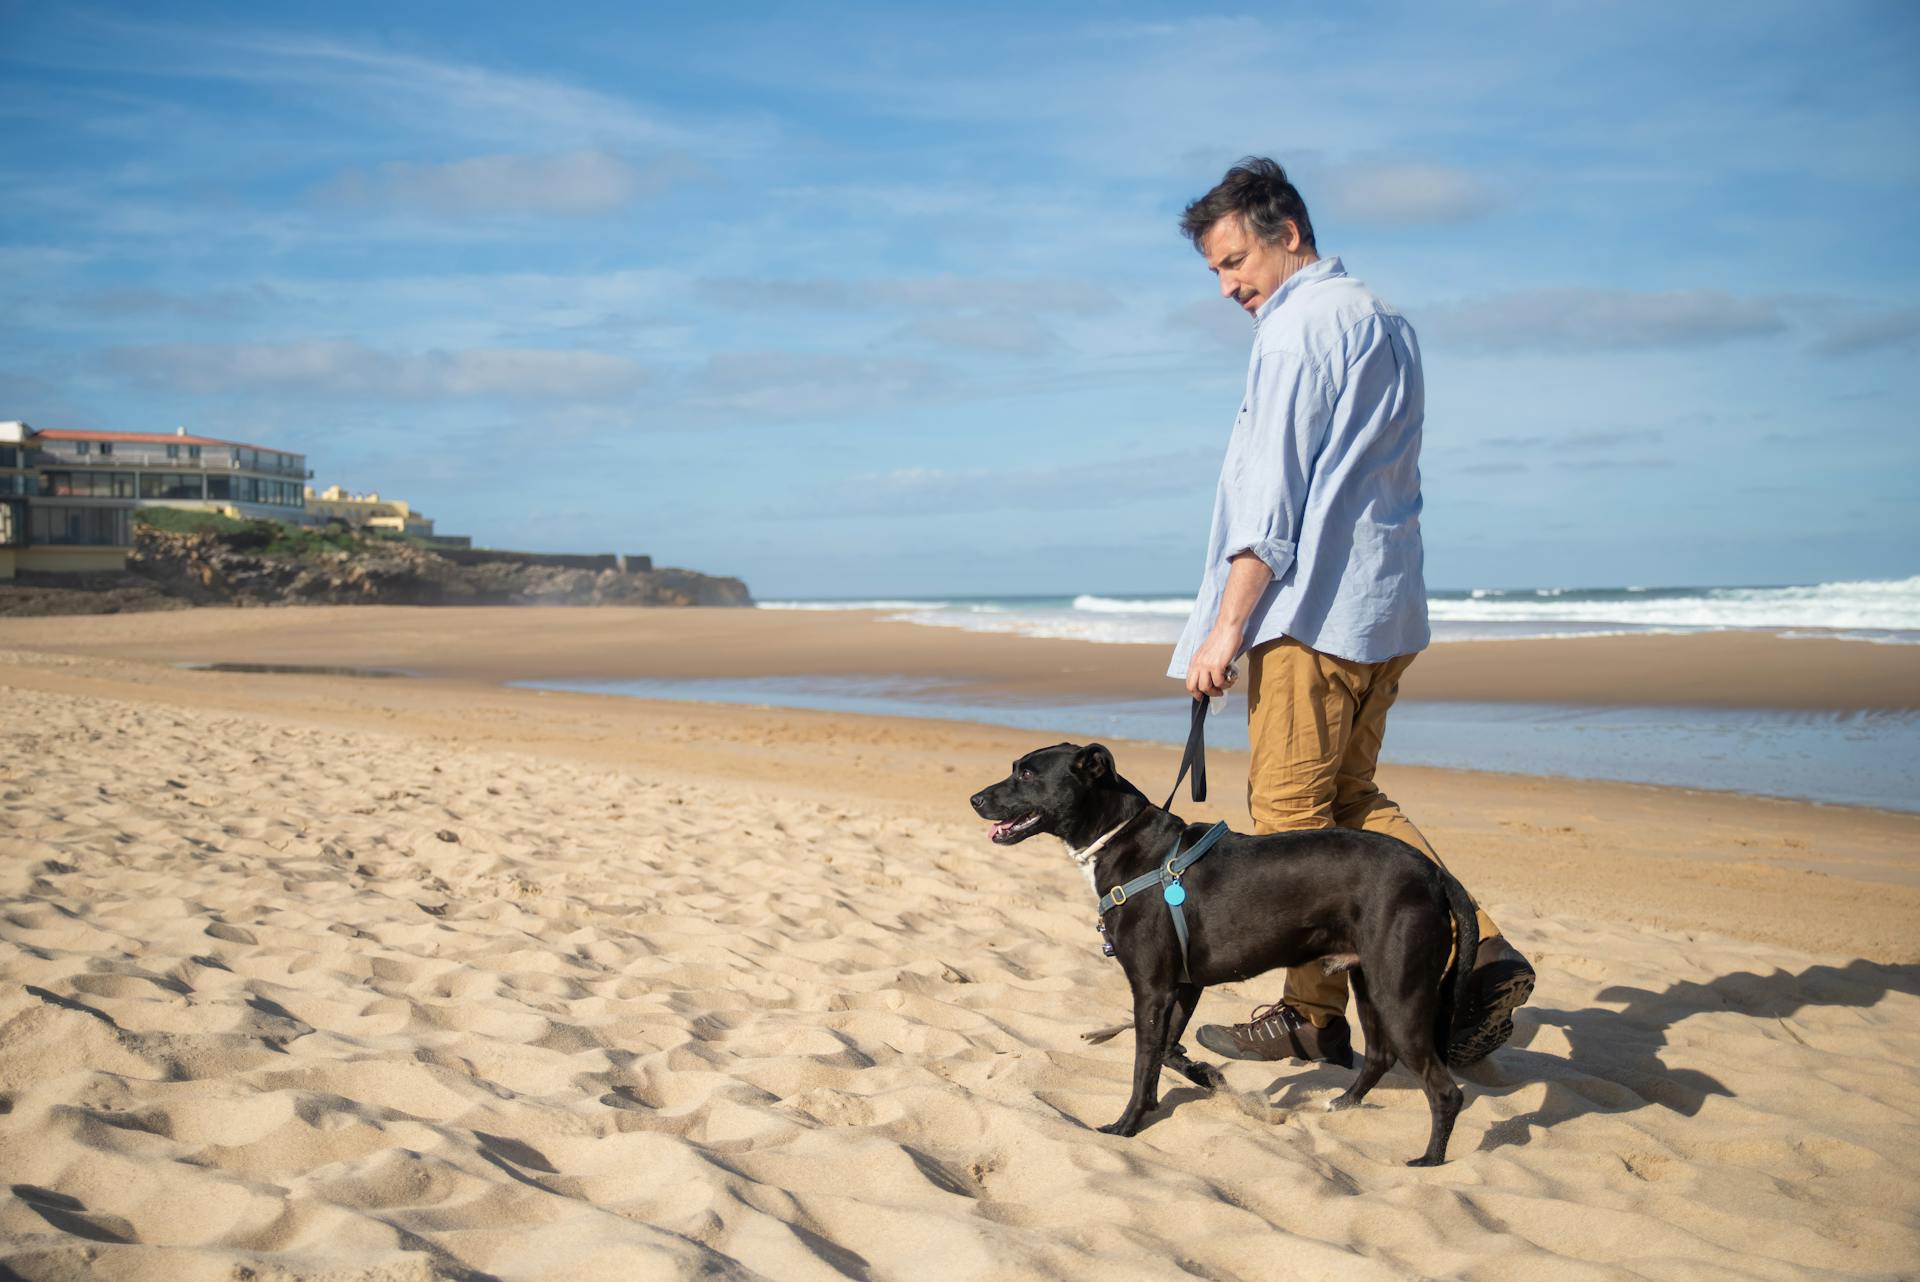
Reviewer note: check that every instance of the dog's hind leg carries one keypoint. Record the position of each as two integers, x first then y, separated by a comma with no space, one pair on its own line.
1380,1055
1185,998
1415,1029
1152,1012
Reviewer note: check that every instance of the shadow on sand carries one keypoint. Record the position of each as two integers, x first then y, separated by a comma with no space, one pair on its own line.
1613,1064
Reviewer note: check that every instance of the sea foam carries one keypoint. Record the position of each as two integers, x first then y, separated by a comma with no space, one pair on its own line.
1886,611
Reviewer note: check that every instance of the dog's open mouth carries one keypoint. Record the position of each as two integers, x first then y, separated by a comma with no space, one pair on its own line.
1005,828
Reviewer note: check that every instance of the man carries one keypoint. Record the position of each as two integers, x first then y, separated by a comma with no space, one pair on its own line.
1314,571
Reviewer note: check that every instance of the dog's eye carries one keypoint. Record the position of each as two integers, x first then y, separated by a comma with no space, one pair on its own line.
1026,774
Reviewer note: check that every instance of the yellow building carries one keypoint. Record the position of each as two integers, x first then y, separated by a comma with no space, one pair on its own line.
368,511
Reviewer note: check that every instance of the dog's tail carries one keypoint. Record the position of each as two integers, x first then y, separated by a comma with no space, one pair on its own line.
1466,942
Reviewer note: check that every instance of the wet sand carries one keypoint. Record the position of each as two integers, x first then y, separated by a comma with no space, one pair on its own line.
1727,669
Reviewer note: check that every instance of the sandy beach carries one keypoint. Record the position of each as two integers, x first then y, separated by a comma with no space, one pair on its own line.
325,978
1710,669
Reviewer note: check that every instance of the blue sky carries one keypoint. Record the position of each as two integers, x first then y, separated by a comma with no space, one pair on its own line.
890,300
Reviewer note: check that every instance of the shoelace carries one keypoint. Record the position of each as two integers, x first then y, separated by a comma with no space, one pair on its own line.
1286,1014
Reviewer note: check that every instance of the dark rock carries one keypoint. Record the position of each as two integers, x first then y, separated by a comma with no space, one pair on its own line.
170,570
32,594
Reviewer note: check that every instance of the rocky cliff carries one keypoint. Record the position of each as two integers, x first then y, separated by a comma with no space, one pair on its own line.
242,567
265,564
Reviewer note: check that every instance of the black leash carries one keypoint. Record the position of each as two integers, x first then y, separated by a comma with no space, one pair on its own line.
1195,757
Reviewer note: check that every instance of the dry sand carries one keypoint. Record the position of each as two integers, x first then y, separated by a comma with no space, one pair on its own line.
327,978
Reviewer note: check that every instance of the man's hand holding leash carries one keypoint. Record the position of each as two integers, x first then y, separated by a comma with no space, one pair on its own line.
1211,669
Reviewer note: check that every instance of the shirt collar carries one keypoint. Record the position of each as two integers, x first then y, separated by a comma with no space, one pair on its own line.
1320,269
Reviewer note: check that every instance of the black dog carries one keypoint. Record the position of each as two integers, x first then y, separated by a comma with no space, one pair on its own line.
1355,899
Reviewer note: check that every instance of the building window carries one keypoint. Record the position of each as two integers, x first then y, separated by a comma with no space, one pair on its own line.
219,487
173,451
171,485
193,451
83,447
93,485
78,526
11,524
106,447
9,456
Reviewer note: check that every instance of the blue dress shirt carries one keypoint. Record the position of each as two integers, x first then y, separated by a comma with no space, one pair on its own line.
1322,477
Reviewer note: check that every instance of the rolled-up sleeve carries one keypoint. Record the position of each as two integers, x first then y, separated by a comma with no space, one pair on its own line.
1289,407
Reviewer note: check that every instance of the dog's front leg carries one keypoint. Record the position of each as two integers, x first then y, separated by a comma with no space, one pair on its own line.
1205,1076
1151,1011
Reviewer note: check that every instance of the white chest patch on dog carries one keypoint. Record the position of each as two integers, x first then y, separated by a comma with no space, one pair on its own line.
1084,858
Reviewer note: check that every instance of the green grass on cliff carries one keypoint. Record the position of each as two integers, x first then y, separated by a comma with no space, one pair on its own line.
266,538
180,520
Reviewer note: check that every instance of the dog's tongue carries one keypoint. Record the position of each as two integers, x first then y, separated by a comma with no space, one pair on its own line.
999,829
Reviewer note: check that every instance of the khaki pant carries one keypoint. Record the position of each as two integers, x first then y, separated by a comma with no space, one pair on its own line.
1315,724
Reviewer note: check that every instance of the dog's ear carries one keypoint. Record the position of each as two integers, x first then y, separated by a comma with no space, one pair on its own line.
1093,763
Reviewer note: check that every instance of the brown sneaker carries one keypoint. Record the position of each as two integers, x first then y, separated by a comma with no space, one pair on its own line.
1279,1031
1501,983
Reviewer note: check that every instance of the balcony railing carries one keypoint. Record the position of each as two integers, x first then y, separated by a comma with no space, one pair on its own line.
107,462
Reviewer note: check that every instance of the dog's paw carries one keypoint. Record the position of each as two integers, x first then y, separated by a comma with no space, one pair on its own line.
1423,1160
1340,1102
1123,1128
1203,1075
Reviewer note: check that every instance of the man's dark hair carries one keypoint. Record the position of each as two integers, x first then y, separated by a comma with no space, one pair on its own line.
1258,190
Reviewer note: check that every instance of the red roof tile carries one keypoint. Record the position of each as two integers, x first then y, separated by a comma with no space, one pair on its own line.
147,438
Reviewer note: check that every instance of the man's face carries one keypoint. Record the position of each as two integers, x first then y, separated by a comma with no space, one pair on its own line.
1249,268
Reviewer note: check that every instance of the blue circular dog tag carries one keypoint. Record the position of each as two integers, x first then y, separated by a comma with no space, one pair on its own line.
1176,894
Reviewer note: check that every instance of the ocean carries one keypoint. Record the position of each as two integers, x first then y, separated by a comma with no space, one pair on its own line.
1885,611
1870,759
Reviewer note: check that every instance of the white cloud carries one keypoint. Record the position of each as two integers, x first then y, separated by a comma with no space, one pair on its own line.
21,262
1219,323
1003,332
568,184
945,293
1088,484
1897,328
1402,194
348,370
456,98
752,387
989,315
1603,319
1578,442
399,94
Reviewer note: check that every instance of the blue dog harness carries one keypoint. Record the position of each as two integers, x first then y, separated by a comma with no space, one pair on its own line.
1167,877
